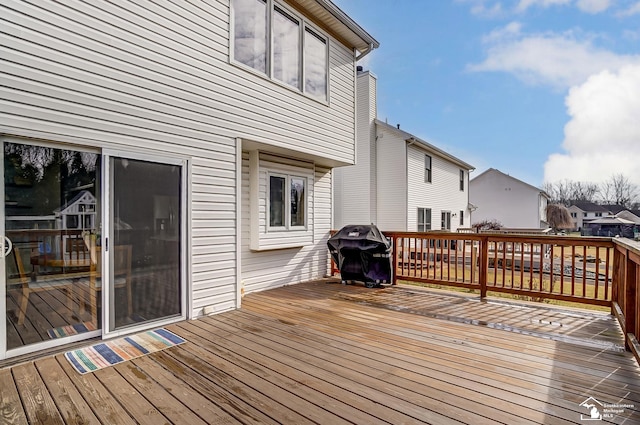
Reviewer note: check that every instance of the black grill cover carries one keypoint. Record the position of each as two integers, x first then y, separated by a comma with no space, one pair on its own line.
362,253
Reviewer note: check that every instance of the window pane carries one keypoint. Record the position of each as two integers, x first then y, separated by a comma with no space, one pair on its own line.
427,169
297,202
250,33
286,48
276,201
315,65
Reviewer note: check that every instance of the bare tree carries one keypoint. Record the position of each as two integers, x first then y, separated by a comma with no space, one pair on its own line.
565,191
619,190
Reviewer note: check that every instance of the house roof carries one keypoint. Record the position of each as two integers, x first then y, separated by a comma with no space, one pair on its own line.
425,145
587,206
613,208
494,170
612,220
339,23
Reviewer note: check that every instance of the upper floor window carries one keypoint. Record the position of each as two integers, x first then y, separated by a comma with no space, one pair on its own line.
574,215
275,41
427,169
461,179
250,33
424,219
598,214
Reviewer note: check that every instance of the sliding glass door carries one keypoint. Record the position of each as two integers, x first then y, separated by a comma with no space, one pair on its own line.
93,244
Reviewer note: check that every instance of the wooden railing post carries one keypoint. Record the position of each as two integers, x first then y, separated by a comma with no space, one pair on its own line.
483,265
630,307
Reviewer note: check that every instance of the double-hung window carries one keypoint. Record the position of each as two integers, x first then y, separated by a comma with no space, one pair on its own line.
462,180
278,42
424,219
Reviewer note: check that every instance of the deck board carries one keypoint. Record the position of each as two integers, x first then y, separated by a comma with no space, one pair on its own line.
321,352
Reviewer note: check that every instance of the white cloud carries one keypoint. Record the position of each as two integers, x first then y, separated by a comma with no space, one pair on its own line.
526,4
602,137
593,6
634,9
557,60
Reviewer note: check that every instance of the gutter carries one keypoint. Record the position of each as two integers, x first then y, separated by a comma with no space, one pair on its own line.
351,24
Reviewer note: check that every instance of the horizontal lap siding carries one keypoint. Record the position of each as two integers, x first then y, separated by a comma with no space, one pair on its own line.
164,67
392,181
268,269
156,77
442,194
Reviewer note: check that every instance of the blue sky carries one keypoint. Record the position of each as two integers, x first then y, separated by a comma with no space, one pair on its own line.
543,90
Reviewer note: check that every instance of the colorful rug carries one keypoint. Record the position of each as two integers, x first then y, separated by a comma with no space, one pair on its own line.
69,330
105,354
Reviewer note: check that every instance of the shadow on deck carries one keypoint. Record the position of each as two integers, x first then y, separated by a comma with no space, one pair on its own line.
326,353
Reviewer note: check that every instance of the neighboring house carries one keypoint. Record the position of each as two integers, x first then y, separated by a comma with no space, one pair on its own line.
512,202
584,212
631,215
210,128
400,182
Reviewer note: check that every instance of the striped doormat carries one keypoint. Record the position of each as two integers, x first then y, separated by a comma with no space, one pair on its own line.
105,354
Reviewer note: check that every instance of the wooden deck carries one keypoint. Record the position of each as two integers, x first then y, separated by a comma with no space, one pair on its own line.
327,353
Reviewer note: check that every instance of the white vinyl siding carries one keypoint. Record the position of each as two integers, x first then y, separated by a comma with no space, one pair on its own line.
157,78
161,66
392,182
356,184
272,268
492,190
442,194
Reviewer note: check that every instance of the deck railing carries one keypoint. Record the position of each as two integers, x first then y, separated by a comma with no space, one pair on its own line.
584,270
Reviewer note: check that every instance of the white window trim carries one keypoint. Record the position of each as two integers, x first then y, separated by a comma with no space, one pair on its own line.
304,24
264,237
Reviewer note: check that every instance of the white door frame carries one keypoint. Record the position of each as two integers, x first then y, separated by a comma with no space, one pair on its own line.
183,162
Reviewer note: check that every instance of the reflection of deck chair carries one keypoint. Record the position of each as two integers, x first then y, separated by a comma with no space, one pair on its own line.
121,276
28,286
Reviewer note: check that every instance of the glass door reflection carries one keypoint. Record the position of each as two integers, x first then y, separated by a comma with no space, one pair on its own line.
52,213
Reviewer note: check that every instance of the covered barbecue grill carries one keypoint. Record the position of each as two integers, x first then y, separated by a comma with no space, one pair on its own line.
362,253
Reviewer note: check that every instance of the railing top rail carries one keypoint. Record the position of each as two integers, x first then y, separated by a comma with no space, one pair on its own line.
501,237
633,246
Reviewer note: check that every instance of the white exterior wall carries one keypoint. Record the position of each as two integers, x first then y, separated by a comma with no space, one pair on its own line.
499,197
442,194
156,78
355,186
272,268
392,180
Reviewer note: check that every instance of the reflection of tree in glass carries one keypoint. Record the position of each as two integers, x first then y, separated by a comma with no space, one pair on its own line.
40,179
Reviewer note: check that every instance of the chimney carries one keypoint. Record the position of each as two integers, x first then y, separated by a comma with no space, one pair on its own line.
359,68
398,125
